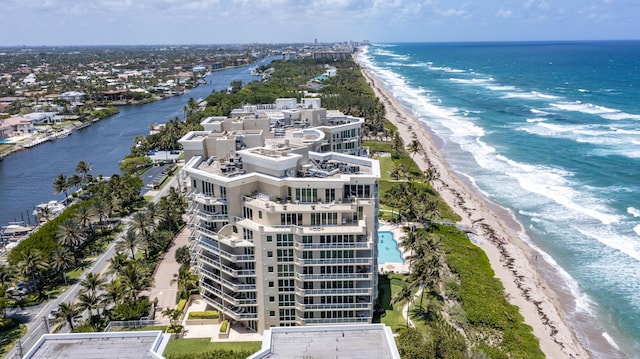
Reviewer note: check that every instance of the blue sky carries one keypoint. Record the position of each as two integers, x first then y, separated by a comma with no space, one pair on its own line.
133,22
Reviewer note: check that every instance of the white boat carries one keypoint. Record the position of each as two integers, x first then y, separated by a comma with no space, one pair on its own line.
52,208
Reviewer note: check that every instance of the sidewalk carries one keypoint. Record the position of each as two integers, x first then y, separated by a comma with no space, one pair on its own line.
162,289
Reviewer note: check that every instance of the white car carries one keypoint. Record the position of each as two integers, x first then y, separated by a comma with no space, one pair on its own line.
52,314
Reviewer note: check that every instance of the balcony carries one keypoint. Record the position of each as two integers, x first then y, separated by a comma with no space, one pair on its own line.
207,200
211,216
318,321
237,286
319,246
209,245
335,306
325,261
354,291
340,276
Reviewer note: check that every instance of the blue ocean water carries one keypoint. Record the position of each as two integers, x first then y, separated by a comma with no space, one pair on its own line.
550,131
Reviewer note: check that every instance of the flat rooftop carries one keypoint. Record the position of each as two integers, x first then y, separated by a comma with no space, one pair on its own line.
338,341
131,345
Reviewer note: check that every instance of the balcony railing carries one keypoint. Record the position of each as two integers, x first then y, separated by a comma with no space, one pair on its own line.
342,306
324,261
209,245
354,291
341,276
312,321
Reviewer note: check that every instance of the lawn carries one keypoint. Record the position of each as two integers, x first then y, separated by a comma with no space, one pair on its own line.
8,338
388,286
202,345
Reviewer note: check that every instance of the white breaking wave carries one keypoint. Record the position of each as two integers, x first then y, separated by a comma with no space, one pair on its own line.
637,229
474,81
445,69
501,88
633,211
591,109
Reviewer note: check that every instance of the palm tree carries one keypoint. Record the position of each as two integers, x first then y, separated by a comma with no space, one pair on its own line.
129,242
31,265
7,275
114,293
185,279
61,185
117,262
142,226
83,168
74,181
100,209
135,278
83,215
173,315
92,283
69,234
61,261
414,147
69,312
90,301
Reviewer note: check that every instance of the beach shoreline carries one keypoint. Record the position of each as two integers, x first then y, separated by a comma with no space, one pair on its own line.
512,260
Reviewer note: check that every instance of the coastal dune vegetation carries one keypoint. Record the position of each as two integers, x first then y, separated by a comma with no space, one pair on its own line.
457,306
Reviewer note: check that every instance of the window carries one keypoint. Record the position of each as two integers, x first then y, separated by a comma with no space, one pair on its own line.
272,313
269,254
324,219
329,194
272,299
269,238
307,195
284,240
271,284
207,188
223,192
290,219
248,234
270,269
260,214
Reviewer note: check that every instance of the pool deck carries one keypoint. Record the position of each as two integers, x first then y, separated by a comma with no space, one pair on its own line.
398,235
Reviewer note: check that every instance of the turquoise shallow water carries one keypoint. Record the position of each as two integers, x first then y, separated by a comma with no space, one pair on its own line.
550,131
388,251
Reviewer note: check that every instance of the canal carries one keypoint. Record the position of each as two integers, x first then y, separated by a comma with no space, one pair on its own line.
26,177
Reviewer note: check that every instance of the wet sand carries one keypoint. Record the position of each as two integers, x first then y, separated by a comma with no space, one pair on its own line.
512,260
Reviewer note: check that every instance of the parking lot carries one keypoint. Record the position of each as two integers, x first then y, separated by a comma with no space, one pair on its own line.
153,175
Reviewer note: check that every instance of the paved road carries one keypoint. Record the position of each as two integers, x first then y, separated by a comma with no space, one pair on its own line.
35,317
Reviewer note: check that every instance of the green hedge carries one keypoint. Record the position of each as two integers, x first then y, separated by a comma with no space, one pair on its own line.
207,314
224,326
181,304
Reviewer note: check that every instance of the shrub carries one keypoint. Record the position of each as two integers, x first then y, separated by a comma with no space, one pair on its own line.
8,324
181,304
224,326
207,314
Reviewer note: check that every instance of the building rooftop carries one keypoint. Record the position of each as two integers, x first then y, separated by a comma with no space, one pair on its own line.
130,345
335,341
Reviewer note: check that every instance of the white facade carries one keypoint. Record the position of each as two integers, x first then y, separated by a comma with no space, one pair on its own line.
282,235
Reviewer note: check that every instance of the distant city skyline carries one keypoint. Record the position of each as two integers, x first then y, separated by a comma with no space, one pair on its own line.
148,22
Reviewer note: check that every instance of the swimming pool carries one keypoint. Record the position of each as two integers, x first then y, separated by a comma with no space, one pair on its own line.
388,251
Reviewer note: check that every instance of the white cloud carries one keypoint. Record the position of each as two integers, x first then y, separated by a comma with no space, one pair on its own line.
504,13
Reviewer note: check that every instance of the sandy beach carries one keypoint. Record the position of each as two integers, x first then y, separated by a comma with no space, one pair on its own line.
512,260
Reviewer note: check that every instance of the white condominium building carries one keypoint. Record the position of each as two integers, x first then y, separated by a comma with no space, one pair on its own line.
283,234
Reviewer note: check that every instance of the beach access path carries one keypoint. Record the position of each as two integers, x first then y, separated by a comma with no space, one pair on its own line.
511,259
